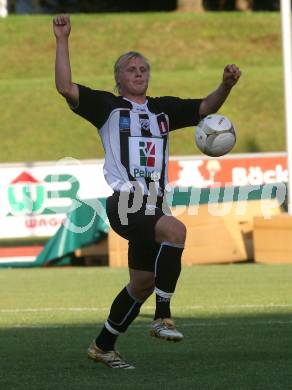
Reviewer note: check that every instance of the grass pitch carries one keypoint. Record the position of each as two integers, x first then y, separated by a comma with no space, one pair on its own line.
187,53
236,320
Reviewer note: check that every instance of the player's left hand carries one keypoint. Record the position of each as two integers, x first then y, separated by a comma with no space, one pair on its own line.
231,75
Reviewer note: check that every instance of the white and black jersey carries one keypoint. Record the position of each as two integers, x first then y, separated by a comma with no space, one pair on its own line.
135,136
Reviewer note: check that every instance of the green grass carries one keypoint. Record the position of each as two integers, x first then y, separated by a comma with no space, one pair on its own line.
236,320
187,52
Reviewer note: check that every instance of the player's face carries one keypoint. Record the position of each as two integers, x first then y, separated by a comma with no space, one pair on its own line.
134,77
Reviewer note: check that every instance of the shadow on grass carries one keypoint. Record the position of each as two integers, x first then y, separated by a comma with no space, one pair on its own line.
224,352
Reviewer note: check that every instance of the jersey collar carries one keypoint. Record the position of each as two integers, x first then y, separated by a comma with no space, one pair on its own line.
138,108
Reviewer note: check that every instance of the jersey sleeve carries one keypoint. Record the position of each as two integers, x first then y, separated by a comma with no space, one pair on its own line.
181,112
94,105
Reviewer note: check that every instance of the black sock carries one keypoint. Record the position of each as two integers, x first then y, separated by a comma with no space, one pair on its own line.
167,271
106,340
124,310
162,307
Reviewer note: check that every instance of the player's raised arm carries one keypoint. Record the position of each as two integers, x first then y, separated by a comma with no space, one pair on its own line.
63,79
215,99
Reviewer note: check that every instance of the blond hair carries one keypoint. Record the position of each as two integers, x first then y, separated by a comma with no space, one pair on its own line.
124,58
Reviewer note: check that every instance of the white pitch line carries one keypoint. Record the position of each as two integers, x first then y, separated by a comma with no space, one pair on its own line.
207,323
242,306
54,309
178,309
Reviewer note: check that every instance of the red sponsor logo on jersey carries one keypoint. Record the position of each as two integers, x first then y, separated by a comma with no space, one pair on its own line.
147,153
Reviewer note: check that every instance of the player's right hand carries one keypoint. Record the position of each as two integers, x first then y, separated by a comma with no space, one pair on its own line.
61,26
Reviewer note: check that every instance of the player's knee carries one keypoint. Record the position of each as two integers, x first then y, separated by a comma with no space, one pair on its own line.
170,229
181,233
142,291
176,233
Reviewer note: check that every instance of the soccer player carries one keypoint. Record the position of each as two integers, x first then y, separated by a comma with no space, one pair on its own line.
134,132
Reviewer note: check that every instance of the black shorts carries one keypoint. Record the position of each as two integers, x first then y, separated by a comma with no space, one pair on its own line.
139,229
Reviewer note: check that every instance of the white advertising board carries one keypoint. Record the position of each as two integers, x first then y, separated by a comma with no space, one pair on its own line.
35,197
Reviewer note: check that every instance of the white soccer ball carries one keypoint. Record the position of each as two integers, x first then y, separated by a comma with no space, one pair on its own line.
215,135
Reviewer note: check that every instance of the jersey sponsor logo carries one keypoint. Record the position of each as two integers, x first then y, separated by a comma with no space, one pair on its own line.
146,157
124,122
147,154
146,173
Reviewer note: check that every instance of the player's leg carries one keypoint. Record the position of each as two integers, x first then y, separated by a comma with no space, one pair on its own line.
157,245
171,235
127,304
124,309
141,284
102,349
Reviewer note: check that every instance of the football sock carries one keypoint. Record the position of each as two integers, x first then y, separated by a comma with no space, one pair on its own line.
162,307
124,310
106,340
167,271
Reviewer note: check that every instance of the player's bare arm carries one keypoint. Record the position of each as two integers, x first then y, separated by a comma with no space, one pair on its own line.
215,99
63,77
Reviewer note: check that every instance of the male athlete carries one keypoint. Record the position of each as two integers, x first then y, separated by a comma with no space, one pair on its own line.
134,132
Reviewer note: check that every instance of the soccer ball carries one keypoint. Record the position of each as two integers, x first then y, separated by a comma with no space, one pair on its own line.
215,135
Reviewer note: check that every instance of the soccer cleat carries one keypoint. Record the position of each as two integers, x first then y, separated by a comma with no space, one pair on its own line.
164,328
111,359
